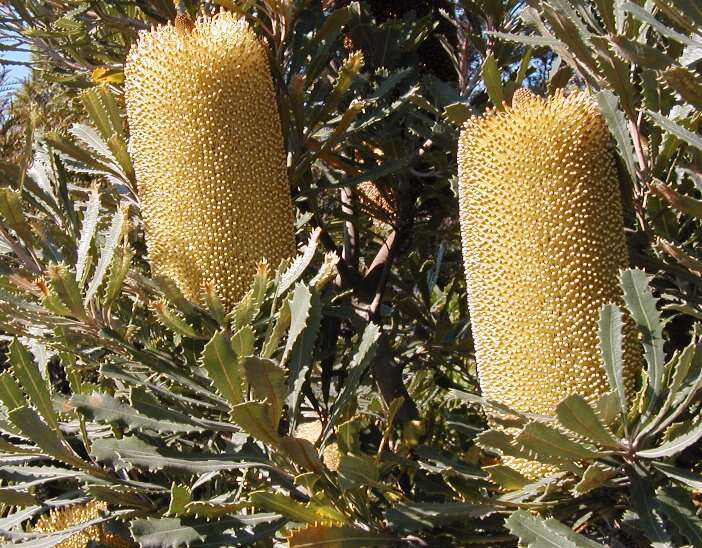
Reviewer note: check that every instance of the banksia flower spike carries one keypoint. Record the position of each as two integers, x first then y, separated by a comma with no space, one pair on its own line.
64,518
207,146
543,243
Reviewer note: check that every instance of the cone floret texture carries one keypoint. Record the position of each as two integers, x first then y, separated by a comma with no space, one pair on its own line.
64,518
207,147
543,243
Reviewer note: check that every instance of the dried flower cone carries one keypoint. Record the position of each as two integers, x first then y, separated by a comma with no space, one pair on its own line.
64,518
371,195
543,243
208,152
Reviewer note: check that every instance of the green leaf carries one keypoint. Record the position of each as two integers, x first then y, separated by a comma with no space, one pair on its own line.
112,238
300,305
180,497
13,497
267,381
170,319
577,416
121,262
10,393
87,231
11,211
418,516
131,451
645,16
106,409
357,470
677,130
643,502
617,124
642,306
47,439
535,532
493,81
27,373
223,368
545,441
593,478
682,203
324,536
611,341
679,474
243,341
362,357
64,283
293,510
303,453
301,355
506,477
674,446
675,504
528,40
281,326
255,419
686,83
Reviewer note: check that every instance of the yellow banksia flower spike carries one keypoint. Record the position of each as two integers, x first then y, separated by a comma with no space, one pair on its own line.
207,146
64,518
543,244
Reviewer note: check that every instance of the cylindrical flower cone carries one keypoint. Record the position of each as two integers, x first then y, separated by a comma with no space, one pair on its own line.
543,244
207,147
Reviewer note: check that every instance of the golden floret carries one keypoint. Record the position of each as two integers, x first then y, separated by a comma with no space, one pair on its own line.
66,517
543,243
207,146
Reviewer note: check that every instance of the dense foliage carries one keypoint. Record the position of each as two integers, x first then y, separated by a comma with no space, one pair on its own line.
338,403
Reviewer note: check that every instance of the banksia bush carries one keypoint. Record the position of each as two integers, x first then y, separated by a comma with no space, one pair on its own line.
543,243
208,152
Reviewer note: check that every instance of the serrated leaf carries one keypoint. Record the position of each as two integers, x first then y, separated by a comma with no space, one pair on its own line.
492,78
640,54
48,440
644,503
533,532
675,445
170,319
300,304
418,516
528,40
223,368
131,451
281,326
65,286
675,504
611,341
677,130
645,16
321,536
506,477
687,477
686,83
180,497
301,356
594,477
255,419
267,381
642,307
357,470
106,409
121,262
298,266
107,251
293,510
545,441
14,497
679,201
617,124
87,231
577,416
303,453
364,354
243,341
34,385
